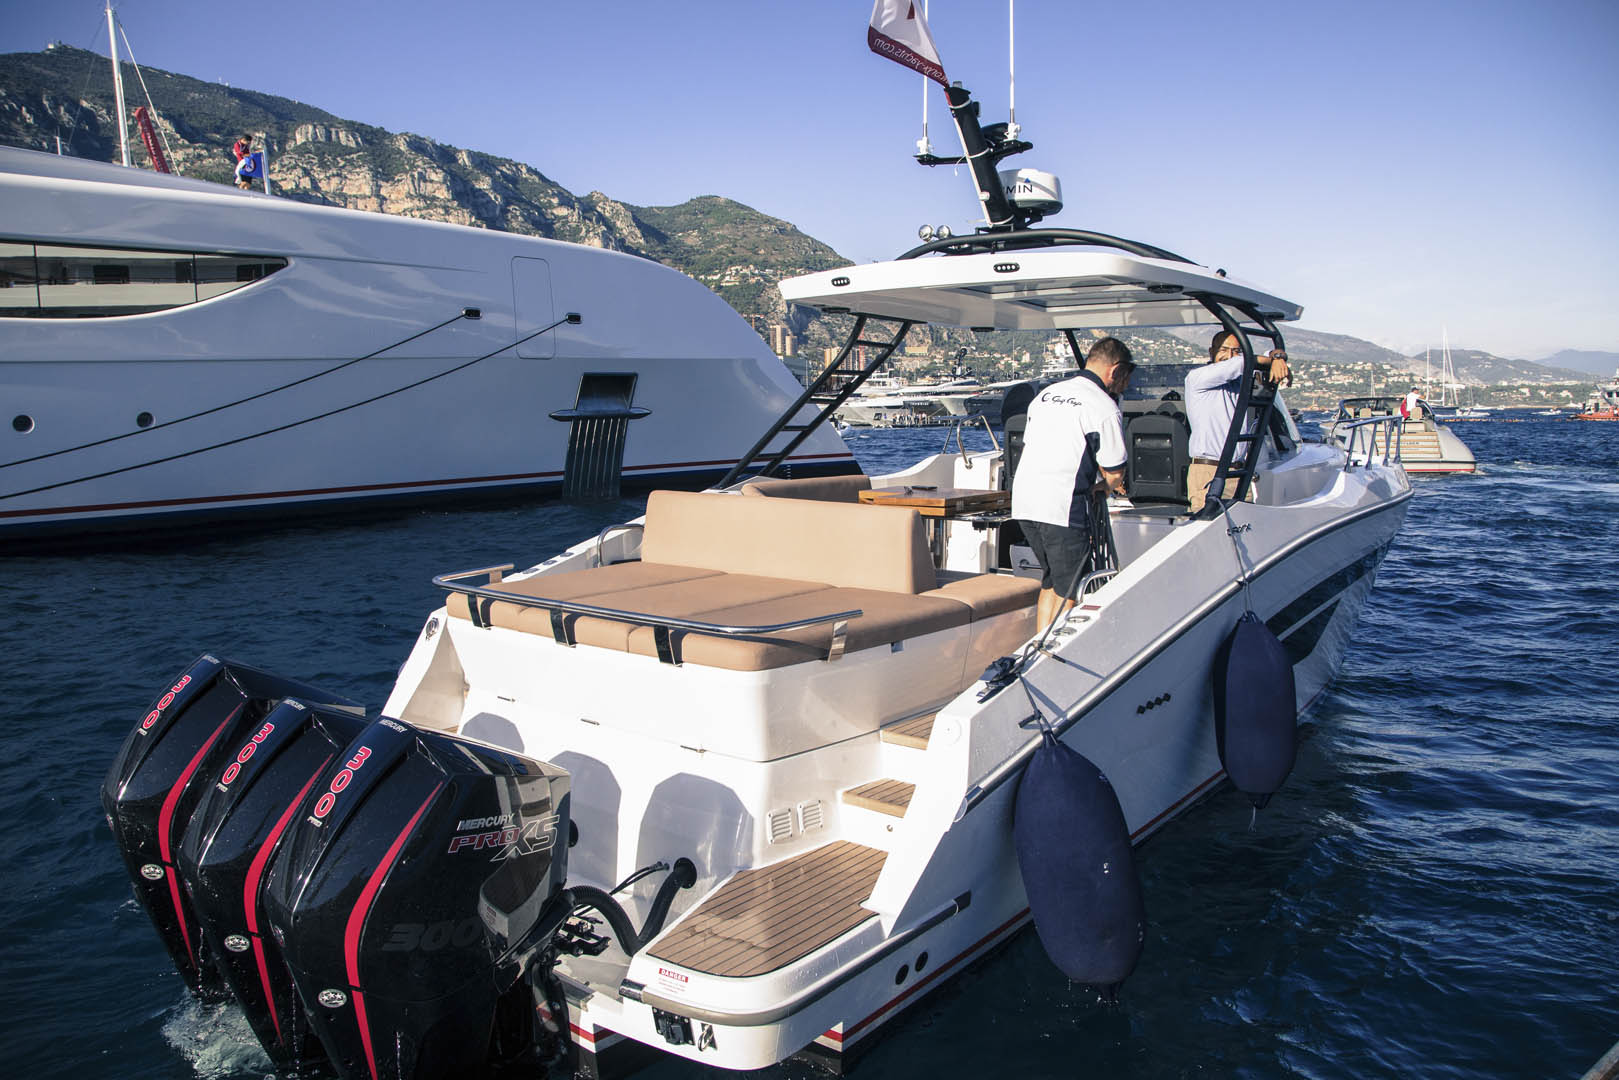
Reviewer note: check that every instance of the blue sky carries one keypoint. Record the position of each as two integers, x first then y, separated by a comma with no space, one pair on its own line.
1394,167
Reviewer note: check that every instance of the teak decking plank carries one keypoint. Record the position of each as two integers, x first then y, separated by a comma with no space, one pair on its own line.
913,732
759,939
778,902
736,936
885,796
767,917
742,892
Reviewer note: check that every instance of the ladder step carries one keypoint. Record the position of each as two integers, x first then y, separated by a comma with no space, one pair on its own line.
913,732
890,797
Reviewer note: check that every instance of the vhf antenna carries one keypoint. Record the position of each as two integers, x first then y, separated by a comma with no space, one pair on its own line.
1012,129
924,148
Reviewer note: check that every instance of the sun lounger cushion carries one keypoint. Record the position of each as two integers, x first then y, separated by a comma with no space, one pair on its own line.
987,594
887,617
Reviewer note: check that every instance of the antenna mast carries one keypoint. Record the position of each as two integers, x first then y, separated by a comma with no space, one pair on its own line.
1012,129
117,87
923,146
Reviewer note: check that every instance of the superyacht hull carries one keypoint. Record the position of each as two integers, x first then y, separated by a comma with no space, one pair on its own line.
174,350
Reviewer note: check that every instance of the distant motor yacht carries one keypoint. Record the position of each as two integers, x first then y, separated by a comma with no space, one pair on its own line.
175,351
1421,443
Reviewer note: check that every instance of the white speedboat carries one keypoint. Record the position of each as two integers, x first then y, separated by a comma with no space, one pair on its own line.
821,715
1420,443
173,350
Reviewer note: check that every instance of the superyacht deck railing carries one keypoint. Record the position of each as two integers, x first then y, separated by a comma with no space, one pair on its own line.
662,625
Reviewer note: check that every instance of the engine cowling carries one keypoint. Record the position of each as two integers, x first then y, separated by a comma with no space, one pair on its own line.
225,852
415,877
165,765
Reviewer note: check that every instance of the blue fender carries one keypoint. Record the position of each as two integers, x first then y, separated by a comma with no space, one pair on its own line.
1078,867
1255,710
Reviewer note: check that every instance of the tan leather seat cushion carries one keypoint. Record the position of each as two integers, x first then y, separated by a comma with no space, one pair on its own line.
847,546
680,600
575,585
988,594
887,617
844,489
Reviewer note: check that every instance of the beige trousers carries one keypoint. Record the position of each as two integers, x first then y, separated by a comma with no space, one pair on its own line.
1198,476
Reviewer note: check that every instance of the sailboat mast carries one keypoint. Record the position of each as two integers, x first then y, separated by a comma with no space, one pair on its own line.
117,86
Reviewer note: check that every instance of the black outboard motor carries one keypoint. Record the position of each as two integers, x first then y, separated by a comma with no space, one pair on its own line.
417,876
173,755
225,853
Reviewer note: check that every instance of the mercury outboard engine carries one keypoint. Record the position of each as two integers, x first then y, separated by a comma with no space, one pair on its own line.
174,754
225,852
418,875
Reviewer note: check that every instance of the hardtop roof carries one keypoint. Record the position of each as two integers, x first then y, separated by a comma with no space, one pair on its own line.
1050,288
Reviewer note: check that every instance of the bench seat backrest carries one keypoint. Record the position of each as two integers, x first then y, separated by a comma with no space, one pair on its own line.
839,544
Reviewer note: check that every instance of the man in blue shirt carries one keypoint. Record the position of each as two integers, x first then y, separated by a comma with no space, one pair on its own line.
1211,402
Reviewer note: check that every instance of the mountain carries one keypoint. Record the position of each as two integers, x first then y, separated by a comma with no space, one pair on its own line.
1585,360
321,158
1476,366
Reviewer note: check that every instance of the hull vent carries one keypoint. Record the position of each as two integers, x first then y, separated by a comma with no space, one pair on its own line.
810,816
779,826
599,423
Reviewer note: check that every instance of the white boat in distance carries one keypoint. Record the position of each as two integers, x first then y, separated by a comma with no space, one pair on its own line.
818,715
174,350
1421,442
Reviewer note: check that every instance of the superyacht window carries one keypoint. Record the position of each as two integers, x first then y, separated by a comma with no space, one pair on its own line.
57,281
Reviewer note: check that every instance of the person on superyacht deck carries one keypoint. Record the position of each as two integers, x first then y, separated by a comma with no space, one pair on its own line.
1073,445
1211,402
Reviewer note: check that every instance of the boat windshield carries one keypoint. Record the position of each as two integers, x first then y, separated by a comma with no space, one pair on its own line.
1150,382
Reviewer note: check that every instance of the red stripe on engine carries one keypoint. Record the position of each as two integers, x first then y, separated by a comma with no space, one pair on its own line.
356,923
165,821
250,893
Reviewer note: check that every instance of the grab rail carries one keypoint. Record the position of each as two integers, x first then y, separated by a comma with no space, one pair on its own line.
601,538
966,461
562,631
1392,439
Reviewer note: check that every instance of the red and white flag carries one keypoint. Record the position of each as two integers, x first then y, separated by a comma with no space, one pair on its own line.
899,32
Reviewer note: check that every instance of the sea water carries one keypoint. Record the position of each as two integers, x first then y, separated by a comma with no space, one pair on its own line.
1435,893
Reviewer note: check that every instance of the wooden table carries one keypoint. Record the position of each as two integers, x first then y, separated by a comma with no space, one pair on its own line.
939,502
940,505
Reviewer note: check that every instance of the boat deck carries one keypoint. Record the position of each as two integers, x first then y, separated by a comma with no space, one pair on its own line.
765,918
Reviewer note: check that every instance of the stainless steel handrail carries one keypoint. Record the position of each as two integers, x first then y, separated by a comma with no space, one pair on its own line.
607,530
661,624
1392,440
956,431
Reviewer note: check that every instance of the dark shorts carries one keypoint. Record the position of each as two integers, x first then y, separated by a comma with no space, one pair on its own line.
1063,551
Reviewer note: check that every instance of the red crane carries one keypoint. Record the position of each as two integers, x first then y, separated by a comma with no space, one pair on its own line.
143,120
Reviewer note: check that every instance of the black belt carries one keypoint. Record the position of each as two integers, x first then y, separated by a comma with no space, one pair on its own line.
1205,461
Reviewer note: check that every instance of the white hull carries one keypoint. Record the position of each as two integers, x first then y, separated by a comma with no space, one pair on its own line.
949,888
354,283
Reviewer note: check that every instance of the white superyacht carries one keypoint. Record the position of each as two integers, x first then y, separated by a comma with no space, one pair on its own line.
175,351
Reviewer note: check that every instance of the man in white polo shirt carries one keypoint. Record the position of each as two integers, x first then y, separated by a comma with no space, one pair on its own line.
1211,402
1074,443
